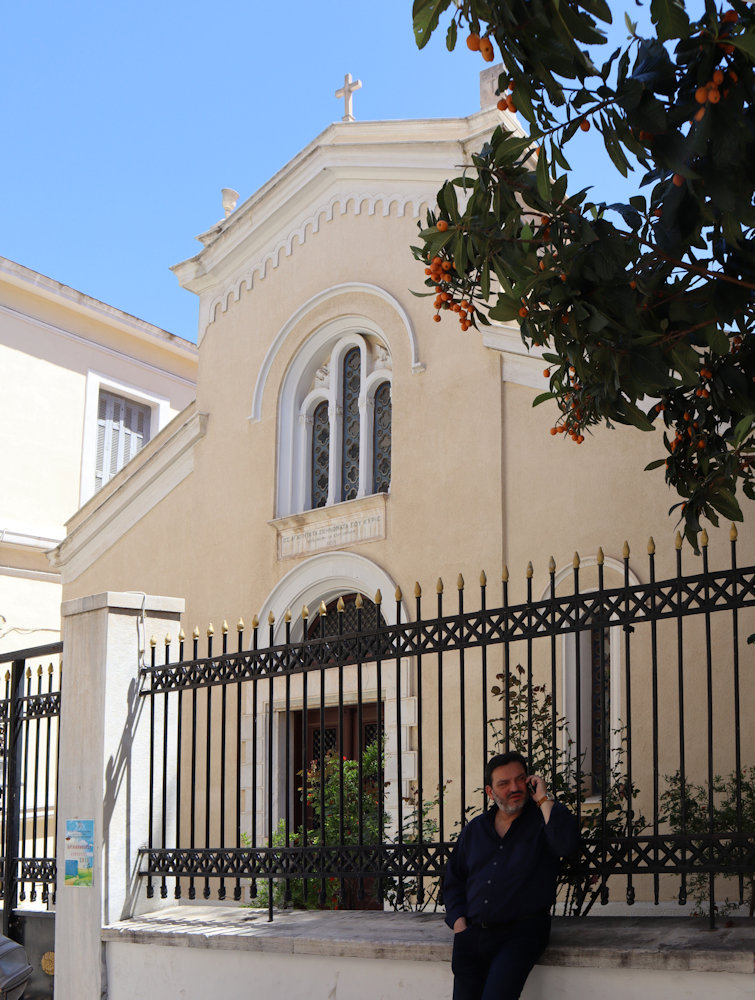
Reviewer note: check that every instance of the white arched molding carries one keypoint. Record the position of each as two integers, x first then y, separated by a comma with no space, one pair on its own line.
315,375
325,577
311,304
579,643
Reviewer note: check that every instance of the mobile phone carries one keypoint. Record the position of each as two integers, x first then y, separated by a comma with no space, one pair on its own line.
531,784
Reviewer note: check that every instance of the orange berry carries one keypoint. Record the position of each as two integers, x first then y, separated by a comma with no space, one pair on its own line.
714,95
699,115
524,311
511,106
446,265
658,213
730,17
546,373
733,76
677,180
442,226
473,42
436,317
486,49
554,430
584,125
726,48
718,77
633,284
701,95
503,104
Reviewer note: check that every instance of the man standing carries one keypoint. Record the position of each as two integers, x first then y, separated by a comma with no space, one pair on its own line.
500,882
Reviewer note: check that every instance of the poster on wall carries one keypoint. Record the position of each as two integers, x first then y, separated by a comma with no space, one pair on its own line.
79,851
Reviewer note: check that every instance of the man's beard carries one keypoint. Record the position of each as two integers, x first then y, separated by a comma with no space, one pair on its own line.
509,808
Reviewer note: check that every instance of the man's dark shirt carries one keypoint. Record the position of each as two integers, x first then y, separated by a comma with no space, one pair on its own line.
493,880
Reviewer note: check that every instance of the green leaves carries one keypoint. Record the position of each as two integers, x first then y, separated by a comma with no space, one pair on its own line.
653,299
425,17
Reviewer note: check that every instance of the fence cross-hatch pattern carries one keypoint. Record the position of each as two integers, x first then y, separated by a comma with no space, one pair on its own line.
337,768
29,714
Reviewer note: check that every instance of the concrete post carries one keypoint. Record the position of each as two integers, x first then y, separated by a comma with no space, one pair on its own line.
103,772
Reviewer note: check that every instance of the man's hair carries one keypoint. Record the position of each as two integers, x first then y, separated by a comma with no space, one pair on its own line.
501,760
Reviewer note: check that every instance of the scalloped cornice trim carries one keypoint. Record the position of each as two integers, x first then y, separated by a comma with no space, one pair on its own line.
309,226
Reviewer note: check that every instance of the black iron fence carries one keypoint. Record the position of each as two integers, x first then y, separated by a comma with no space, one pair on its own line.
333,763
29,713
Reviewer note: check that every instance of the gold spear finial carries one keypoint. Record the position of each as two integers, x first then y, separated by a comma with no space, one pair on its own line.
625,550
530,570
439,586
240,625
483,579
460,582
601,557
225,627
195,633
40,670
210,630
287,616
417,589
181,635
399,595
359,601
505,574
704,538
167,639
733,533
323,608
575,561
551,565
255,621
152,641
651,546
340,605
304,612
50,669
678,540
378,597
28,673
271,618
7,675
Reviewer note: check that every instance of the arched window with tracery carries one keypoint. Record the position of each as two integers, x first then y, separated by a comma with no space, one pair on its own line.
336,423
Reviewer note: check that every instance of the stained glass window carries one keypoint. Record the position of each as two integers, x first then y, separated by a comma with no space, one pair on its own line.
350,454
320,455
381,451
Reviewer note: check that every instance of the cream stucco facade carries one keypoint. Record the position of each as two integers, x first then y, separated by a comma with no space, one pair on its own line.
216,509
59,351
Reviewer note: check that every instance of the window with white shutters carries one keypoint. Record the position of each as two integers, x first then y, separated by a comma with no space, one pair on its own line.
122,429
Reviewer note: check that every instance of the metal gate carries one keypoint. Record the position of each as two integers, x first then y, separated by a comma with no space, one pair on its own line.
29,715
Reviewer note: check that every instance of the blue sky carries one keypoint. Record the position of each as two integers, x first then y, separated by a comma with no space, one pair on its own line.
122,122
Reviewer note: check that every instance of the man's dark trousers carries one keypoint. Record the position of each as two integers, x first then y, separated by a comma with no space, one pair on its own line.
492,963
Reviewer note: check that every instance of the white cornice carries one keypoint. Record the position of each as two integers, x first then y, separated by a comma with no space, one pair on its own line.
104,349
149,478
367,168
54,291
519,364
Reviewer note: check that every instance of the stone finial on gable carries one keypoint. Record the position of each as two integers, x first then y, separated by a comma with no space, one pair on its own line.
230,197
488,85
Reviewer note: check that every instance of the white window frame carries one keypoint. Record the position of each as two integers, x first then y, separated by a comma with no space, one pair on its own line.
160,414
298,401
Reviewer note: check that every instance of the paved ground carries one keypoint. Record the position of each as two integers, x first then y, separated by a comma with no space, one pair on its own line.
642,942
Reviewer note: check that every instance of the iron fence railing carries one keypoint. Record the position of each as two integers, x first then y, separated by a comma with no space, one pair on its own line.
336,766
29,714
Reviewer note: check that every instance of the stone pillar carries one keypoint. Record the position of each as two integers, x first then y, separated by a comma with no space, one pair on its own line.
103,772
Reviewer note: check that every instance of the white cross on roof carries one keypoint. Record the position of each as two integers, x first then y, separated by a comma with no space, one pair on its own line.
349,86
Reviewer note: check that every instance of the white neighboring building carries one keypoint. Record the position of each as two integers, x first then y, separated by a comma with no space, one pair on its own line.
82,387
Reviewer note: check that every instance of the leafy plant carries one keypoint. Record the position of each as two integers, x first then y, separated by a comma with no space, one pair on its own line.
644,309
542,737
686,808
343,811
